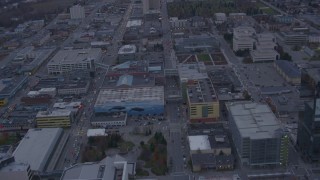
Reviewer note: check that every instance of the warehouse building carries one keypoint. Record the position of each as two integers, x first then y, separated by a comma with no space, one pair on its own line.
37,147
257,134
53,119
288,71
68,60
133,100
202,101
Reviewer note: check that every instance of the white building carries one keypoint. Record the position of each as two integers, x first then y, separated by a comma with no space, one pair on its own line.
77,12
72,106
127,53
37,147
314,38
68,60
106,169
150,6
264,48
178,23
242,38
96,132
50,91
220,18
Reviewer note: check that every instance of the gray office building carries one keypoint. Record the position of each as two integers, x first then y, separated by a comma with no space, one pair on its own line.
308,137
257,135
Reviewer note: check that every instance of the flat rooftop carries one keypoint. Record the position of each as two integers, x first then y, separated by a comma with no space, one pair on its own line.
63,105
201,91
108,117
106,169
288,68
254,120
199,142
36,147
127,49
134,23
75,56
54,113
136,94
96,132
192,71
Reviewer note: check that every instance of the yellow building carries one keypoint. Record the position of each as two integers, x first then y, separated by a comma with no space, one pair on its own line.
202,101
53,119
3,102
288,71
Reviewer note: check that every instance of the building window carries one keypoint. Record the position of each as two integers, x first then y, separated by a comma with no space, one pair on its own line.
204,111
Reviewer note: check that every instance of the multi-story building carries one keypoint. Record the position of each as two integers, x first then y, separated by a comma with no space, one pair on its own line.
37,147
55,118
115,167
77,12
295,38
264,48
150,6
9,169
288,71
132,100
127,53
257,134
242,38
202,101
69,60
308,137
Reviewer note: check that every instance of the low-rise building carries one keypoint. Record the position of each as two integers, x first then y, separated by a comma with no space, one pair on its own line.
220,18
192,71
70,60
294,38
127,53
53,119
288,71
196,43
210,147
202,101
109,119
10,86
133,100
96,132
177,23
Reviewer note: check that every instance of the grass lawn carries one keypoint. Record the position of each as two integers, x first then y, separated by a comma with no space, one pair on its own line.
126,146
266,9
141,172
204,57
154,154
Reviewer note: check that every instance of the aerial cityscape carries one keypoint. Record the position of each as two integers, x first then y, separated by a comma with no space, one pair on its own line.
159,89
